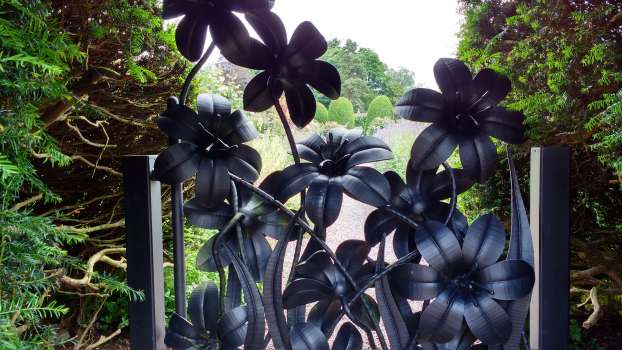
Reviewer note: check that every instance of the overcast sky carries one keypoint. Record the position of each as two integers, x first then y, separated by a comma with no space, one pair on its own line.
407,33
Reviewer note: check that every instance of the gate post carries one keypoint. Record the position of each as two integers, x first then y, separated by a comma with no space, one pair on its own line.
550,225
143,222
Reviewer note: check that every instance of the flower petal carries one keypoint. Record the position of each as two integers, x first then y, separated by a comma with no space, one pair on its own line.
440,185
212,182
404,241
367,185
322,76
208,218
453,77
245,162
240,129
181,123
269,27
378,223
438,246
442,320
487,320
359,311
211,105
478,157
323,201
306,44
352,254
366,149
324,313
504,125
203,306
310,147
180,333
190,37
249,5
257,94
176,164
306,336
416,282
348,338
302,291
292,180
421,105
173,8
508,279
205,257
431,148
493,86
236,45
232,327
300,101
484,241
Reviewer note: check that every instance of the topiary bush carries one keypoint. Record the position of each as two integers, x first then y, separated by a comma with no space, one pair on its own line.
379,107
321,113
341,111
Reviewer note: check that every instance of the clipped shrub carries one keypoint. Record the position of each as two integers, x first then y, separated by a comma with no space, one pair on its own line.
342,112
379,107
321,113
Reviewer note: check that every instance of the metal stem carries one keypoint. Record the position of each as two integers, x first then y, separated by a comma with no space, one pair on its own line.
454,195
216,254
186,88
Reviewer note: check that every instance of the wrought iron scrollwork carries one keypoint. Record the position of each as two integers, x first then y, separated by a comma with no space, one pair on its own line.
469,295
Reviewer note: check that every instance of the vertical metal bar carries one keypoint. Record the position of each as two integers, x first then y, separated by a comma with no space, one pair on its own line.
550,223
179,260
143,222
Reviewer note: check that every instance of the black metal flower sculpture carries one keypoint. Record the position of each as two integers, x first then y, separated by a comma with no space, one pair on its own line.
213,145
287,68
334,166
465,114
206,330
318,279
227,31
419,199
464,280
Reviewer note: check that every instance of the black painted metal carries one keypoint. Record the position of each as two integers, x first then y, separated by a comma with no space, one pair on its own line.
550,219
143,221
468,293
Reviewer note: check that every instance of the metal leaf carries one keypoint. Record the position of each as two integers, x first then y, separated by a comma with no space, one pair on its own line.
487,319
431,148
442,320
323,201
306,336
404,241
203,306
348,338
176,164
359,311
258,252
422,105
180,333
205,260
416,282
367,185
438,245
484,241
378,223
508,279
478,156
233,296
439,185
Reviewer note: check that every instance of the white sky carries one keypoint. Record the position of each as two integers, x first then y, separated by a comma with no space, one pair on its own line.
408,33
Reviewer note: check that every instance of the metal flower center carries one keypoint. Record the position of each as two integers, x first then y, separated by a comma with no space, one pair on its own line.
466,122
330,167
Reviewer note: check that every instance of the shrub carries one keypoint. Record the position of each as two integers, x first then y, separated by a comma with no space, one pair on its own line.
342,112
321,113
379,107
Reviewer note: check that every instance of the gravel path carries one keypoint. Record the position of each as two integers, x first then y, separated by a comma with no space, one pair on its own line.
353,213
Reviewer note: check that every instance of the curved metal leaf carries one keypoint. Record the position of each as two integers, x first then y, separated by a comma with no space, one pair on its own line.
205,260
233,327
487,319
352,254
304,291
367,185
484,241
208,218
324,313
203,306
306,336
378,223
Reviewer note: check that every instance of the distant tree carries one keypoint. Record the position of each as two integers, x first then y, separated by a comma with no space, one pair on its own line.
321,113
380,107
342,112
364,75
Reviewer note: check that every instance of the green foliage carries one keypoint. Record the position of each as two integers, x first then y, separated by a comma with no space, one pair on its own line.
321,113
341,111
400,145
364,75
607,130
380,107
